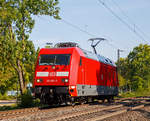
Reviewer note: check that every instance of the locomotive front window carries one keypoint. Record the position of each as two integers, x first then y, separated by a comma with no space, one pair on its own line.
57,59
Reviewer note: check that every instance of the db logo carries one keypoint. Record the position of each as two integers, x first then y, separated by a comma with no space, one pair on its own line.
52,80
52,74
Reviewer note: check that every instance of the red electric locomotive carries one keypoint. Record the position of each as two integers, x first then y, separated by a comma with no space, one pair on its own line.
68,73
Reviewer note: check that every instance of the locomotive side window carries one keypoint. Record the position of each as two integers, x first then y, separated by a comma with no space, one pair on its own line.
80,61
109,76
113,79
54,59
101,76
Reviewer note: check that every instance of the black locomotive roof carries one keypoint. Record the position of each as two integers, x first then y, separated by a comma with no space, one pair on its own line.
66,44
98,57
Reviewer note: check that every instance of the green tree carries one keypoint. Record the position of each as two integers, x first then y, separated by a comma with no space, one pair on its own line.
136,68
16,20
124,82
5,77
139,62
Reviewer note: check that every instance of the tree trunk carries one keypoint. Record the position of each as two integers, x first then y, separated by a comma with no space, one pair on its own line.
21,79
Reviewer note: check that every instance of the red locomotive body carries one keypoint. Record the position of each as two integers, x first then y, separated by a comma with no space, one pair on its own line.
68,74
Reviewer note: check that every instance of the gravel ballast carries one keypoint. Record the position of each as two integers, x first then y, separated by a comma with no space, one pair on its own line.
142,114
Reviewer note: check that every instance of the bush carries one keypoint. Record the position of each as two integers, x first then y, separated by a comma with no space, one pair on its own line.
36,102
26,100
6,97
128,94
6,108
138,93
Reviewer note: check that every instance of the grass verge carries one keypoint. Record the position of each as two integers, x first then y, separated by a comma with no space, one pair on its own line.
135,94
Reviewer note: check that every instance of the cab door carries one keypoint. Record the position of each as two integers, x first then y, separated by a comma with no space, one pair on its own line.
81,77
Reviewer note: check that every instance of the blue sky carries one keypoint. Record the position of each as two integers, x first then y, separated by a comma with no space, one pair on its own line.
93,17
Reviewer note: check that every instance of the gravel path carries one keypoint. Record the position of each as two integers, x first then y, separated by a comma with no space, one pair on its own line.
137,115
7,102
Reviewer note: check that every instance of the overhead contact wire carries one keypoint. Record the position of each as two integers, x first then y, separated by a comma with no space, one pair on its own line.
84,31
130,20
74,26
119,18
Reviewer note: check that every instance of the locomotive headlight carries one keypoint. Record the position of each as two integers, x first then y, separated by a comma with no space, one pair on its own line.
39,80
72,87
63,80
53,67
66,80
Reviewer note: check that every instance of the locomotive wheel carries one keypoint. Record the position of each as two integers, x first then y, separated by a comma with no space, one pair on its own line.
72,101
110,99
103,100
82,100
89,99
73,104
42,98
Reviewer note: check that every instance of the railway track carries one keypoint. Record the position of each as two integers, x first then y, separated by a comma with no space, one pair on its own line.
16,113
87,112
84,114
29,111
97,114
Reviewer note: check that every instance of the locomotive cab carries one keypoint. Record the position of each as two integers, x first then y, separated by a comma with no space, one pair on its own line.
52,74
